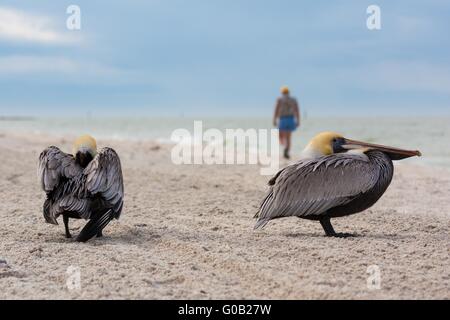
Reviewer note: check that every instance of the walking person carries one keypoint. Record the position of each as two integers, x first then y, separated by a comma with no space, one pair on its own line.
287,117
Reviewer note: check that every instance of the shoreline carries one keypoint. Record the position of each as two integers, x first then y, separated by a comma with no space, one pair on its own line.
166,143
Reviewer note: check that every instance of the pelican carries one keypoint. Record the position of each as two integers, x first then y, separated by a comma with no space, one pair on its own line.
334,177
85,185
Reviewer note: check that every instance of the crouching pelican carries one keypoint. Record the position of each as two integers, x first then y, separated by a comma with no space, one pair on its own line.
335,177
86,185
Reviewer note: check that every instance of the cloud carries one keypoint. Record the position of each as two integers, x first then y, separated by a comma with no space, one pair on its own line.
20,26
67,70
17,64
20,64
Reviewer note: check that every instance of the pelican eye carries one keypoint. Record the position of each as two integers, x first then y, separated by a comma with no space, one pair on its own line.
337,145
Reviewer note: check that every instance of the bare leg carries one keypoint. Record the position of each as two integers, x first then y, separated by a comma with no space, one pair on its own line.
66,225
281,137
288,144
288,140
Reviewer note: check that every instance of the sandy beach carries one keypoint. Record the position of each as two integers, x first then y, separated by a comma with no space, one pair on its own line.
187,232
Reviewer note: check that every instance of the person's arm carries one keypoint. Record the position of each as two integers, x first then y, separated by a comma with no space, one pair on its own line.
275,115
297,113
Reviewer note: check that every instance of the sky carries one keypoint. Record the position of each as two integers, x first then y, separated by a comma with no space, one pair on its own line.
223,57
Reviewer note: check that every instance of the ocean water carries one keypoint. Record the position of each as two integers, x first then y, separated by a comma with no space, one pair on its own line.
430,135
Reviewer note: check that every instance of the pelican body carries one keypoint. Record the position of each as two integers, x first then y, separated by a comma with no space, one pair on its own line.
335,177
86,185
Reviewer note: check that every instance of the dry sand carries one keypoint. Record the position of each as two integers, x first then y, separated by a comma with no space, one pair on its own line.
186,232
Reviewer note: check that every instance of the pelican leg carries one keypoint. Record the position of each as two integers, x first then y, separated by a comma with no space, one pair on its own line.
329,230
99,234
327,227
66,225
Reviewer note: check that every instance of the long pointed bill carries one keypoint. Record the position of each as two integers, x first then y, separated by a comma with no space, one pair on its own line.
394,153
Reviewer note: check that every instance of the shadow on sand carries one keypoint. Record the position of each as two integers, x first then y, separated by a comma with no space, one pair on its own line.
352,236
127,235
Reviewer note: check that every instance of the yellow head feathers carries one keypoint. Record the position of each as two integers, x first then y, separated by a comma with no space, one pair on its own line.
322,144
85,143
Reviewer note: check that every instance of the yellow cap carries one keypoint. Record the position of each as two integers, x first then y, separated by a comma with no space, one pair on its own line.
284,89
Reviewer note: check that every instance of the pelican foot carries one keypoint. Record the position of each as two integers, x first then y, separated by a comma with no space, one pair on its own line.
329,230
341,235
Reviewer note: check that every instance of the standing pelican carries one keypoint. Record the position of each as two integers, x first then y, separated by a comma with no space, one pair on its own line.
85,185
335,177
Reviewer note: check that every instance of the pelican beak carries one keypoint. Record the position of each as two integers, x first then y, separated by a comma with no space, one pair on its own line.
394,153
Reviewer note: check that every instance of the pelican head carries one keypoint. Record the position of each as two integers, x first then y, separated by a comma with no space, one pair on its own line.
327,143
84,150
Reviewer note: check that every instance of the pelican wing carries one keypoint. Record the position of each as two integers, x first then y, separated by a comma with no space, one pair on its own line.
55,165
104,177
311,187
64,203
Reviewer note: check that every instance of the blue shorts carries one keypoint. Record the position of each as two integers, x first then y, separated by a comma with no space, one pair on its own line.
287,123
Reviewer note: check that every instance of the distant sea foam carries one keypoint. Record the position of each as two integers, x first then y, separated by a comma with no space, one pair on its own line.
431,135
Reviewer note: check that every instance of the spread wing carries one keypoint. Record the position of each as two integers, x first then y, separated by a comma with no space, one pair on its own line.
104,177
311,187
54,165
